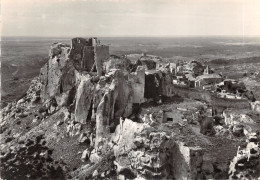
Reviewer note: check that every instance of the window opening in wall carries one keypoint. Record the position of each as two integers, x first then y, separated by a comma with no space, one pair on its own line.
169,119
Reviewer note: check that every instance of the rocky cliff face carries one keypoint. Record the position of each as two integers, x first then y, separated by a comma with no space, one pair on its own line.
84,98
58,72
143,152
78,120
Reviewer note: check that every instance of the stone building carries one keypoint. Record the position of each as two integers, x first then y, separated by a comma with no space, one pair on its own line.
208,79
207,70
88,54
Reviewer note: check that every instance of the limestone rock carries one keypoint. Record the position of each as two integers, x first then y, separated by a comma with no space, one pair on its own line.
85,155
94,157
131,139
84,98
95,173
153,85
57,76
116,62
105,111
116,102
137,80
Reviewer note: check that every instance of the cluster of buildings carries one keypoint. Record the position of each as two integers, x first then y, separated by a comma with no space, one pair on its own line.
194,75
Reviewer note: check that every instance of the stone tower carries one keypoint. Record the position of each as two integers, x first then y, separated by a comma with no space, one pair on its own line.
88,53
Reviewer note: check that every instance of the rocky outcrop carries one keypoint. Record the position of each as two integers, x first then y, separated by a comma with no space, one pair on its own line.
116,62
58,75
141,151
137,80
84,108
145,152
116,102
84,100
245,164
187,161
233,117
153,85
105,112
159,83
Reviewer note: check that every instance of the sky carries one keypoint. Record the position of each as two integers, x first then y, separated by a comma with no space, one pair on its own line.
62,18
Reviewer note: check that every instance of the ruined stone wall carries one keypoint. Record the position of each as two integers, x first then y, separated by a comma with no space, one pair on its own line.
76,52
153,85
77,45
85,52
218,103
101,53
191,93
230,103
88,58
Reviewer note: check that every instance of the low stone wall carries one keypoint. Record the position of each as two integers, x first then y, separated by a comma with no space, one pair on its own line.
190,93
218,103
229,103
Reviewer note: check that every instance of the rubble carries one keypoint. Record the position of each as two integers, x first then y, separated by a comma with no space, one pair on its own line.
246,163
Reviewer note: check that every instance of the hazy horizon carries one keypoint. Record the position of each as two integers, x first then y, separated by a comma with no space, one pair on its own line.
130,18
174,36
177,36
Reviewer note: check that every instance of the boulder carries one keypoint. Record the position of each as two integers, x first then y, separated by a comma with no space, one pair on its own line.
94,157
85,155
95,173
